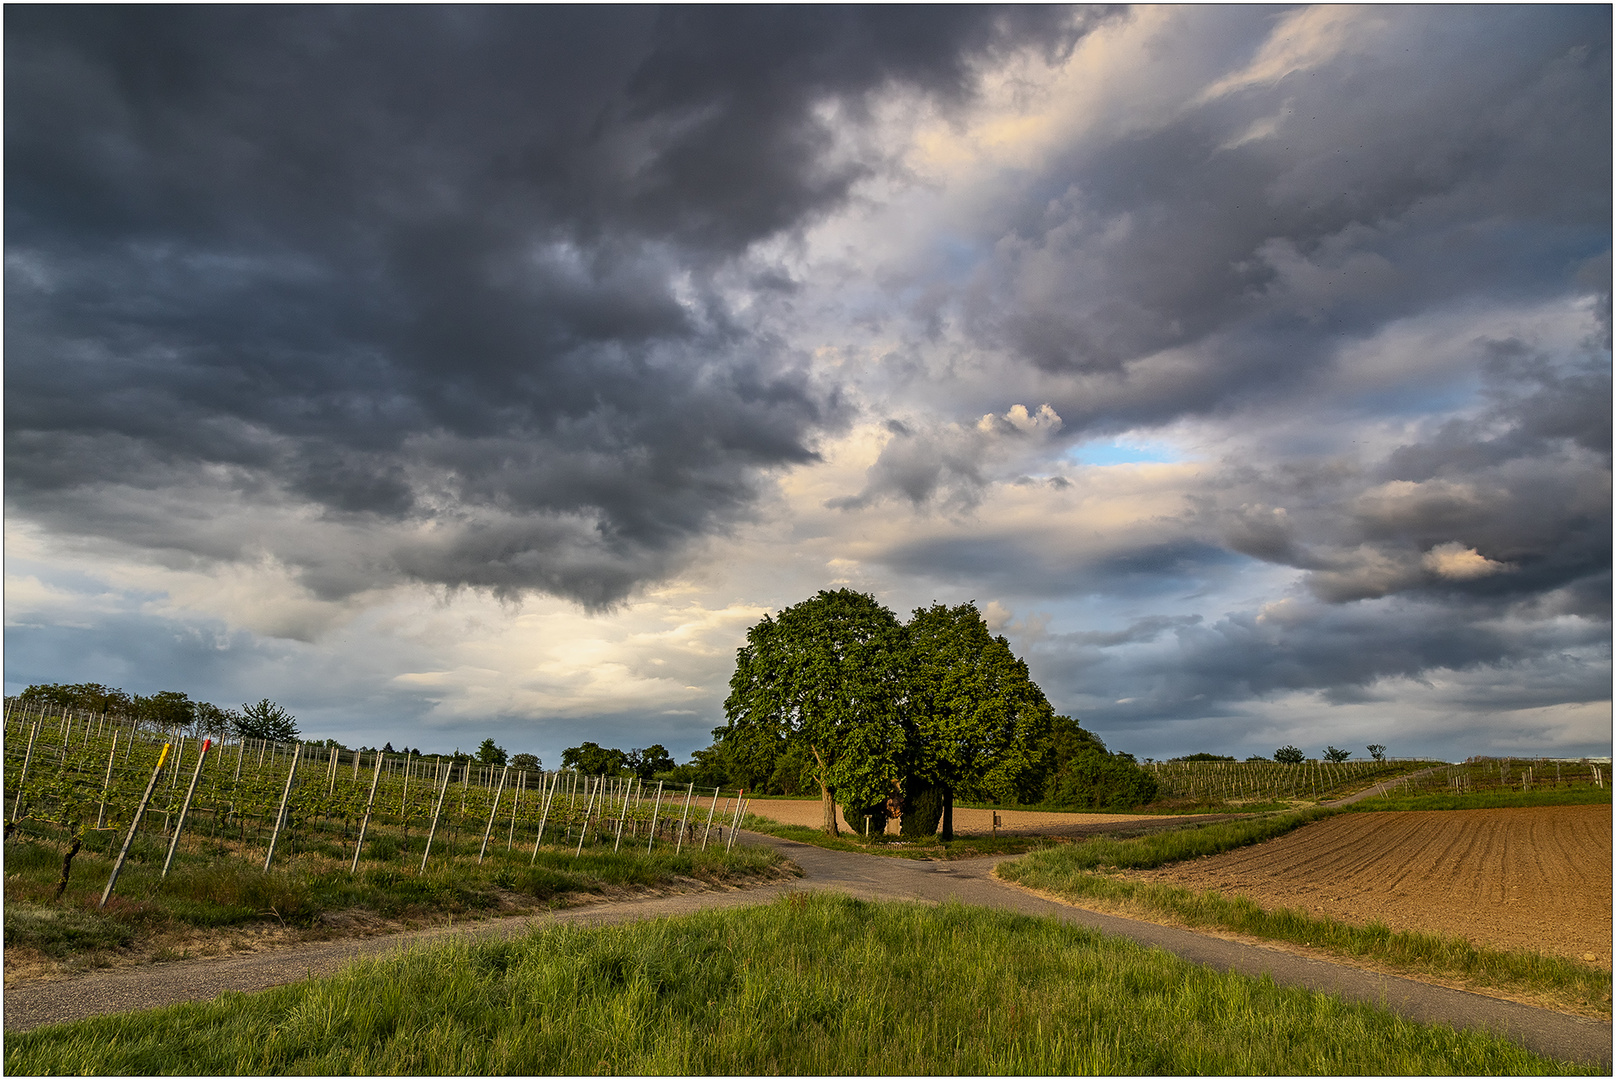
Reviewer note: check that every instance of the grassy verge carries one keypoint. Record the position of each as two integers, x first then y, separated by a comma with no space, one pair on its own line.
903,847
1488,800
1560,983
312,892
1173,845
810,984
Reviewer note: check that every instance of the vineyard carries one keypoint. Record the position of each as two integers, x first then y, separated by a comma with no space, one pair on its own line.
1320,781
1272,781
117,787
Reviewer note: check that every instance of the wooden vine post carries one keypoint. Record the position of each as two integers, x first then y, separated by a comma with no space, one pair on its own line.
628,793
185,807
709,827
735,826
359,845
280,815
22,777
140,811
680,841
497,795
655,811
583,828
447,773
106,785
544,817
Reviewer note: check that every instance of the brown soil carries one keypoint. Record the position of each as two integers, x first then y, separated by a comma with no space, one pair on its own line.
1533,878
967,822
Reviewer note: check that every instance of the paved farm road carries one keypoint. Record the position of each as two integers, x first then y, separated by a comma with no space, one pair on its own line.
30,1004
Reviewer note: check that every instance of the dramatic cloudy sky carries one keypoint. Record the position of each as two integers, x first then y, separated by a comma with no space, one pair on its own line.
453,372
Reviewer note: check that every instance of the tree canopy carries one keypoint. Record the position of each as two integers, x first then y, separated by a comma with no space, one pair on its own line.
490,754
266,720
976,722
825,676
835,693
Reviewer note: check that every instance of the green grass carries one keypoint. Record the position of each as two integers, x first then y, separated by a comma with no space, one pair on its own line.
206,891
1172,845
1488,800
811,984
1577,987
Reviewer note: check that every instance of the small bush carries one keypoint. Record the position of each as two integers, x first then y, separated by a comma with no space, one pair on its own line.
1097,780
64,931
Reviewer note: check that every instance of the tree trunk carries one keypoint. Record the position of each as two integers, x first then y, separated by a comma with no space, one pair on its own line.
948,813
826,800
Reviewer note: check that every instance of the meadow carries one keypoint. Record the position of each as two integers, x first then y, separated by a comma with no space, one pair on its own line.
811,984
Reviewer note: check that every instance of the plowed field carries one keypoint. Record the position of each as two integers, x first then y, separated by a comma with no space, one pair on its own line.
1535,878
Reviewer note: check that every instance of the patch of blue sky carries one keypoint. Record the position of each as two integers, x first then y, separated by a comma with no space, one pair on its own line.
1125,452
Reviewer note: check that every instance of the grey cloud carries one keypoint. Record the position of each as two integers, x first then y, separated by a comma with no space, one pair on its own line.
399,264
1169,272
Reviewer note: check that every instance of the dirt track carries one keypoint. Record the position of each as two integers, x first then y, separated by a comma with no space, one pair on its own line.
1536,878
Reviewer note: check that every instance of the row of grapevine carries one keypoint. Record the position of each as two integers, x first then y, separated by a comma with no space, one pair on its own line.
1271,781
1507,774
263,800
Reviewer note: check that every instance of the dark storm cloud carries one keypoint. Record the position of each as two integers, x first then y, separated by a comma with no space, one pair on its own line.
434,265
1256,230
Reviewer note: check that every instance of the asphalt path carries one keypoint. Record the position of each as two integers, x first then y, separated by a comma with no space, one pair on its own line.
29,1004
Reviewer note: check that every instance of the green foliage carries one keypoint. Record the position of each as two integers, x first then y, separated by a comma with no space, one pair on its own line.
648,762
1289,755
825,676
489,754
90,697
1204,757
525,761
592,759
977,725
166,709
1332,754
1376,751
922,809
801,986
1095,780
266,720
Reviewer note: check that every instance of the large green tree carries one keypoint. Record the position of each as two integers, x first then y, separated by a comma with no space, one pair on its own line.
976,722
592,759
824,676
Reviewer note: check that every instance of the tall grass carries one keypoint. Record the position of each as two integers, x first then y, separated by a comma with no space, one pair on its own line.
808,985
1563,983
207,893
1156,849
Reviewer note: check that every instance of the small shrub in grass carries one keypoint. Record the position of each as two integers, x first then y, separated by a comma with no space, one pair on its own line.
63,931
